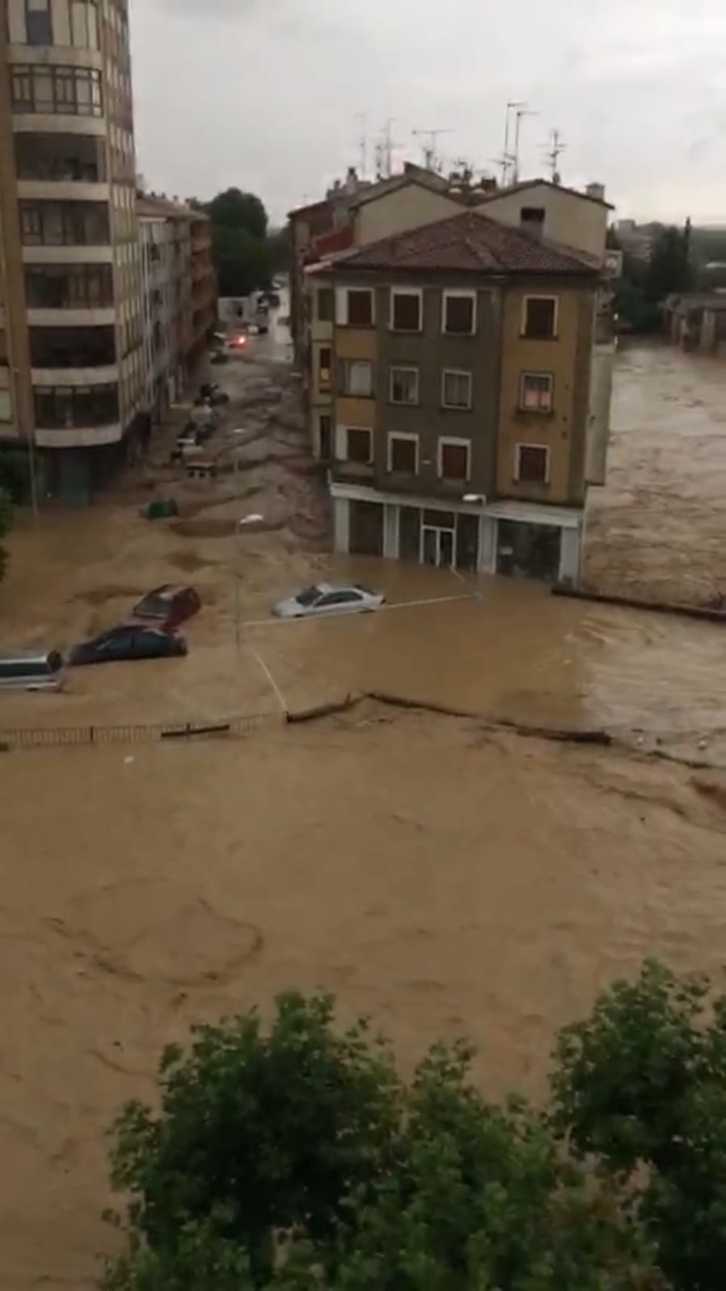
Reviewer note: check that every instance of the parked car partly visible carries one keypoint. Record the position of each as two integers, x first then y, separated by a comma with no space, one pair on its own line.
128,642
44,670
170,605
325,598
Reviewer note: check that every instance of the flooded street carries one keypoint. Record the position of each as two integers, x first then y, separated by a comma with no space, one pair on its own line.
438,872
656,530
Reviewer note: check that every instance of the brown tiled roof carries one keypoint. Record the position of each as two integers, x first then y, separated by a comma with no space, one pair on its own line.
470,242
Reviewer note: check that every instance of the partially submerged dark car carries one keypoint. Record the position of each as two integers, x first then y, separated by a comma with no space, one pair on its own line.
128,642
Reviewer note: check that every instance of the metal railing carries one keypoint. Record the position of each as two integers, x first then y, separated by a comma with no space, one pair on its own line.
39,737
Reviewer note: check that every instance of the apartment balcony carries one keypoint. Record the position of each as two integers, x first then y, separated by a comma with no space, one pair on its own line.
66,167
80,437
426,483
67,356
353,472
72,317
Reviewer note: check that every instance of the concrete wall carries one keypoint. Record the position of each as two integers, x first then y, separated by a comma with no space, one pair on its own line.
567,358
407,208
575,221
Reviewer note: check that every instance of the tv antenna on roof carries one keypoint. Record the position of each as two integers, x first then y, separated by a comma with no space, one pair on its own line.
431,160
553,155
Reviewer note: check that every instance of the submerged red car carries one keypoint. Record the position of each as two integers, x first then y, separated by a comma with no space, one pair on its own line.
168,606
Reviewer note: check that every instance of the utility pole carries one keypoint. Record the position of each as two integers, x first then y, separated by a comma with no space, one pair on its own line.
522,112
507,160
388,146
363,143
431,159
553,155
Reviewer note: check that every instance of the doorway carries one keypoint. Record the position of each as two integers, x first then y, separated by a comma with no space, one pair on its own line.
438,547
529,550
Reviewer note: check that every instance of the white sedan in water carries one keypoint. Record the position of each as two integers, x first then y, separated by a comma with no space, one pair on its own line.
326,598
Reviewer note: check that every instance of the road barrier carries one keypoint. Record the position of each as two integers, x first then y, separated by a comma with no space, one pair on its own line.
41,737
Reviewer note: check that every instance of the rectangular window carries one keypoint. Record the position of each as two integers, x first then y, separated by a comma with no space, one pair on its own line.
355,307
459,313
31,225
325,303
61,407
6,411
324,362
404,385
84,24
406,310
532,464
540,317
37,22
456,389
64,224
403,454
536,392
454,457
359,445
69,286
357,378
64,91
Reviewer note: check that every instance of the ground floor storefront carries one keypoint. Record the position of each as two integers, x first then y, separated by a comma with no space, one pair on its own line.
515,538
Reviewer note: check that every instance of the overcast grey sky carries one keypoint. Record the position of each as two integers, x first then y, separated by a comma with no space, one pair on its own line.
264,94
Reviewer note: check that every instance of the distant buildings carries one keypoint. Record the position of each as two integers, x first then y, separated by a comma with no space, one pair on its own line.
82,343
459,371
636,240
696,320
179,296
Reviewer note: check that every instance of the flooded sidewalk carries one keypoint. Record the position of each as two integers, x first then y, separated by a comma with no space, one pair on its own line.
656,530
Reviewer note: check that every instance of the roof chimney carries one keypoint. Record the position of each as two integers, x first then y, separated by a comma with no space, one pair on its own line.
597,191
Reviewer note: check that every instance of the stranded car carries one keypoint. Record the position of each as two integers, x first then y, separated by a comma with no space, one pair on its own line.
128,642
328,599
28,671
168,605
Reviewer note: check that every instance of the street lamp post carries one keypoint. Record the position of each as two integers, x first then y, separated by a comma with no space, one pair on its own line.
240,525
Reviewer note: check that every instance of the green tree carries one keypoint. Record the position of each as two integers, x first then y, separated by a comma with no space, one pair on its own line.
280,250
234,209
670,268
241,260
483,1199
6,518
259,1131
293,1155
640,1089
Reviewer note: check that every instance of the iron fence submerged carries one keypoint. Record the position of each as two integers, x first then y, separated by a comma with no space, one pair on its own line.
97,734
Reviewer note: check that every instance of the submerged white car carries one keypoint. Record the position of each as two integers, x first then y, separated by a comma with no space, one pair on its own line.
326,598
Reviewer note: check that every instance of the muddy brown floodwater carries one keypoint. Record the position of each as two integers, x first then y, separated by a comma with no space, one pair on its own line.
443,875
656,530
